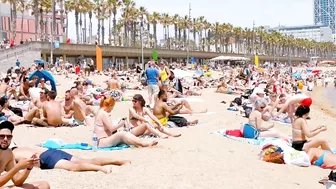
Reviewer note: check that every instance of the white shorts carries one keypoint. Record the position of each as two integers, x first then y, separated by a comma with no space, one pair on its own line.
153,89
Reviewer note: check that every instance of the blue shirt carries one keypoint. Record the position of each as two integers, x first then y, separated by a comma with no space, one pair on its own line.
17,63
152,76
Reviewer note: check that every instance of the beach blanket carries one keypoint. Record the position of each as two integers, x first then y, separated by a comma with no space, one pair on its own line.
286,122
59,144
257,142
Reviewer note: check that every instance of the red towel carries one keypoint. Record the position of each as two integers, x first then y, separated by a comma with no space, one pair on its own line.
235,133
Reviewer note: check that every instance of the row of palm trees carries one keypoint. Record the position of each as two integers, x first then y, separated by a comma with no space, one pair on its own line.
137,25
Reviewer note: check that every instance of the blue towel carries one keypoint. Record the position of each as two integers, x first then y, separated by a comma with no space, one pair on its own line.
53,144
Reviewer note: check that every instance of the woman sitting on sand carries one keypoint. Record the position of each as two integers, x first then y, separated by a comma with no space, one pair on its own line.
254,128
107,133
142,126
300,131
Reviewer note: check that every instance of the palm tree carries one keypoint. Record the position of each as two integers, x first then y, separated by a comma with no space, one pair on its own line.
127,17
22,7
154,21
112,7
13,17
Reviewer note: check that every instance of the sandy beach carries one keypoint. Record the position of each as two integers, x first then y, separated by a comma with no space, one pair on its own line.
197,159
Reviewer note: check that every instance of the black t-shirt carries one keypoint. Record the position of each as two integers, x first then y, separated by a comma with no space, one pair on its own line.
9,71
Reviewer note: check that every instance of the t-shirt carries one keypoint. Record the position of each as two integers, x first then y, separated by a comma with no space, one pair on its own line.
34,92
152,76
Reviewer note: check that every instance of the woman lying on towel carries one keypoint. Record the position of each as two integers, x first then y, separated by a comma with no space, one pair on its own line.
322,158
108,134
300,132
254,129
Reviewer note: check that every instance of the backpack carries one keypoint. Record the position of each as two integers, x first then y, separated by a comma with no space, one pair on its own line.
178,120
143,79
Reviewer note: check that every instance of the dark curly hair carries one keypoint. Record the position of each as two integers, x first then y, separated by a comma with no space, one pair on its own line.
302,110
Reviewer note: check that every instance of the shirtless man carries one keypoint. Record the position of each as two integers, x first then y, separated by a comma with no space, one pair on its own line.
5,88
24,90
50,159
291,104
113,87
81,110
11,167
161,109
52,111
67,105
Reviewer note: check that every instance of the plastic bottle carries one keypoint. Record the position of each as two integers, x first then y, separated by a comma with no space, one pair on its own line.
94,142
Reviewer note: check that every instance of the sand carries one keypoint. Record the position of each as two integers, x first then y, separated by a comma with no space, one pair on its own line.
197,159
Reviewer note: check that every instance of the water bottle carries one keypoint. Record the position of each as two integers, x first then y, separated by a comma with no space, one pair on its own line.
94,142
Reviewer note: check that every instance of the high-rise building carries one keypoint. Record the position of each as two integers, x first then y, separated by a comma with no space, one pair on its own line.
324,13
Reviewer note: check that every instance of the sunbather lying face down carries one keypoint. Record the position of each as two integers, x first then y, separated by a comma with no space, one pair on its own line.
50,159
322,158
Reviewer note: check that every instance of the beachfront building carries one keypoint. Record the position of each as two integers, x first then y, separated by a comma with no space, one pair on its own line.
324,13
26,30
318,33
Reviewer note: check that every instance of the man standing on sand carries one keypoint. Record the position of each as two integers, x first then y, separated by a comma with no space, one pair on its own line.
9,165
152,81
52,111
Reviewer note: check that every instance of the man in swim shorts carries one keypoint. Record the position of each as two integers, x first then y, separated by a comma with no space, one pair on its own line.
50,159
10,170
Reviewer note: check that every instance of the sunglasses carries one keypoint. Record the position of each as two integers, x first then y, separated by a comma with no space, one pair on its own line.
134,100
263,107
9,137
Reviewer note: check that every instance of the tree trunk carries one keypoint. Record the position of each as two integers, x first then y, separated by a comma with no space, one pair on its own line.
155,38
80,27
85,29
36,18
125,34
14,21
103,32
62,17
22,18
77,26
115,27
41,24
109,27
98,32
67,27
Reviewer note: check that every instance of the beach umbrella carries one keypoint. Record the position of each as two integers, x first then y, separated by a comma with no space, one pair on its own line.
181,73
297,75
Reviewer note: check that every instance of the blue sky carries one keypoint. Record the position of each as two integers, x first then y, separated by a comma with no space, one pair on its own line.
237,12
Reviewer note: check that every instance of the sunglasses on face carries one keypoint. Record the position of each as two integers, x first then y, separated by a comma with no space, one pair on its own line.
134,100
263,107
9,137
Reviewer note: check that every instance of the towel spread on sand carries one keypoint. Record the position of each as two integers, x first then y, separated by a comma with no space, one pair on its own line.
59,144
257,142
286,122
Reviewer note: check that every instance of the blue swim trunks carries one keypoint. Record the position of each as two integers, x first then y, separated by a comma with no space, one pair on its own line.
49,158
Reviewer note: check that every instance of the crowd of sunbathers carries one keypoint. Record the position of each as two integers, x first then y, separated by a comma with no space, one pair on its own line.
31,100
271,95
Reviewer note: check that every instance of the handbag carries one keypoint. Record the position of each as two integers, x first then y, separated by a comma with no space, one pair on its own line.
178,120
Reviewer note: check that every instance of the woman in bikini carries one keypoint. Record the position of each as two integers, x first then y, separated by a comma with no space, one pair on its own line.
107,133
142,126
300,132
256,118
322,158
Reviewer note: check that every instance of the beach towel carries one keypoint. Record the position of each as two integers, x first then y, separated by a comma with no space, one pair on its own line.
286,122
257,142
60,145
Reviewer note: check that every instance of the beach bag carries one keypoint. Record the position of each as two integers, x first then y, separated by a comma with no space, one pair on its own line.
332,176
298,158
143,79
250,131
178,120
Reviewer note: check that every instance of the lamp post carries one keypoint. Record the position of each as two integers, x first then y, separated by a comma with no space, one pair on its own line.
52,31
142,47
